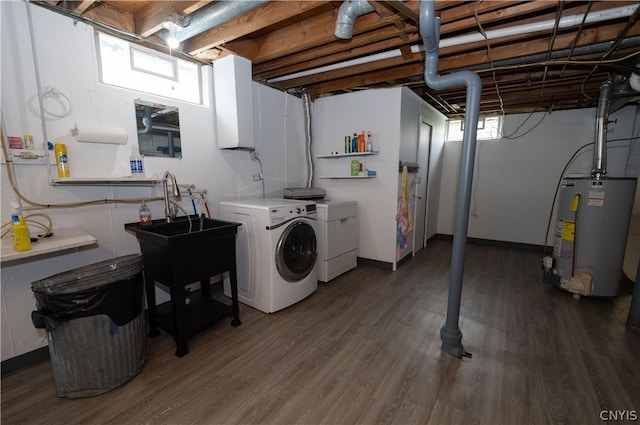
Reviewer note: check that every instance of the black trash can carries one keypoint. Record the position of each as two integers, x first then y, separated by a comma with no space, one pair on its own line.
95,325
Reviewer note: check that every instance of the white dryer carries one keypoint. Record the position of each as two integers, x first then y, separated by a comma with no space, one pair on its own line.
275,251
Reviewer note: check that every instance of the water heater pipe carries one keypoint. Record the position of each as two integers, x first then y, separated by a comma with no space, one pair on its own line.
430,33
602,117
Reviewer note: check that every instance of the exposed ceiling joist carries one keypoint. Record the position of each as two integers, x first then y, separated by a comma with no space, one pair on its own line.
292,46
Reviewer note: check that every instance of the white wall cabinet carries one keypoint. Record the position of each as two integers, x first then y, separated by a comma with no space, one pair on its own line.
233,102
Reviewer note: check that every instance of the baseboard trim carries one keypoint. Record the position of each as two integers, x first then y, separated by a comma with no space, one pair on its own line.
375,263
25,360
493,242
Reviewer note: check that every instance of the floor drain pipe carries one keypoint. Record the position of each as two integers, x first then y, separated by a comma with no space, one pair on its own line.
430,33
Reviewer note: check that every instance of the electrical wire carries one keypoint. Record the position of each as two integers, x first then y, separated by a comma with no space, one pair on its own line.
206,206
555,194
511,136
577,37
486,39
554,62
630,23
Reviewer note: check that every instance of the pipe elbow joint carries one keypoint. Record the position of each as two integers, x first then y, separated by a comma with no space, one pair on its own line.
347,14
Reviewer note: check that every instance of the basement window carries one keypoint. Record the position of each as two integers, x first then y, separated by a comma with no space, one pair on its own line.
489,128
130,66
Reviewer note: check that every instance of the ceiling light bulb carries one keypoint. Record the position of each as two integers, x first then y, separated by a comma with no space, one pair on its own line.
172,41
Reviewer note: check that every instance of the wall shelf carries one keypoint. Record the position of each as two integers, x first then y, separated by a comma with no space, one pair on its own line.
347,177
62,239
107,181
343,155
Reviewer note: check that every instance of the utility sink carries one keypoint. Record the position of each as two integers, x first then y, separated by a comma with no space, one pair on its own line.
178,254
183,231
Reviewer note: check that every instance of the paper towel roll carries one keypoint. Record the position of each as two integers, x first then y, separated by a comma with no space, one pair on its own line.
99,134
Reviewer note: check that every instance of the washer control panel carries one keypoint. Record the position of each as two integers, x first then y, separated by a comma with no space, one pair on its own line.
287,212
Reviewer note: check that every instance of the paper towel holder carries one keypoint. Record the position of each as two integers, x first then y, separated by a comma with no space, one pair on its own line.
99,134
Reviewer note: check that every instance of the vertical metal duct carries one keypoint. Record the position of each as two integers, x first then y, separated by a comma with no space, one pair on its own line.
430,32
602,117
306,100
349,11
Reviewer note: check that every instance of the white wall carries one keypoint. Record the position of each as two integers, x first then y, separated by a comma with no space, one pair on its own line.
335,117
514,180
66,60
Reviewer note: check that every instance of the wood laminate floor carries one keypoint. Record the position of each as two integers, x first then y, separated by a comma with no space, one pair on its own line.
365,349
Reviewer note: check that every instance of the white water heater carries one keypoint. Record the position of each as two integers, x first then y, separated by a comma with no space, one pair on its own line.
590,238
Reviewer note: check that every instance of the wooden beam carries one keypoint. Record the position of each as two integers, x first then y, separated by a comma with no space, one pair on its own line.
328,54
349,71
309,34
83,5
149,19
405,10
263,17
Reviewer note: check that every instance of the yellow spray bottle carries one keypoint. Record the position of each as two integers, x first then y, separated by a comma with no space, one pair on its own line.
20,230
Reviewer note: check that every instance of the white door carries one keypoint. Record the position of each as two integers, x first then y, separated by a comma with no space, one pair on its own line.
422,186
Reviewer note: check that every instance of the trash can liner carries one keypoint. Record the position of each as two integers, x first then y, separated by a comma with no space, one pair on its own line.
111,287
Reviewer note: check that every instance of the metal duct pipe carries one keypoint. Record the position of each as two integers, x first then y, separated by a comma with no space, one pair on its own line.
306,100
430,33
602,117
145,114
349,11
210,16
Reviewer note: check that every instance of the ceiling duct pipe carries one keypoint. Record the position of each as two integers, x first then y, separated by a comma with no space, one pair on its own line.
430,33
349,11
210,16
602,117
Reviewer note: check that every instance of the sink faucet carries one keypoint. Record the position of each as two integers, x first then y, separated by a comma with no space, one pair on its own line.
176,193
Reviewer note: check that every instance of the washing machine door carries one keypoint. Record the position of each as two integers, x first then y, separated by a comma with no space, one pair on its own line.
296,251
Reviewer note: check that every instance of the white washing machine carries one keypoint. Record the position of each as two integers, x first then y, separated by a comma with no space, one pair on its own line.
275,251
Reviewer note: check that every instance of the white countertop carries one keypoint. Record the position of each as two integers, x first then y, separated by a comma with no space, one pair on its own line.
62,239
